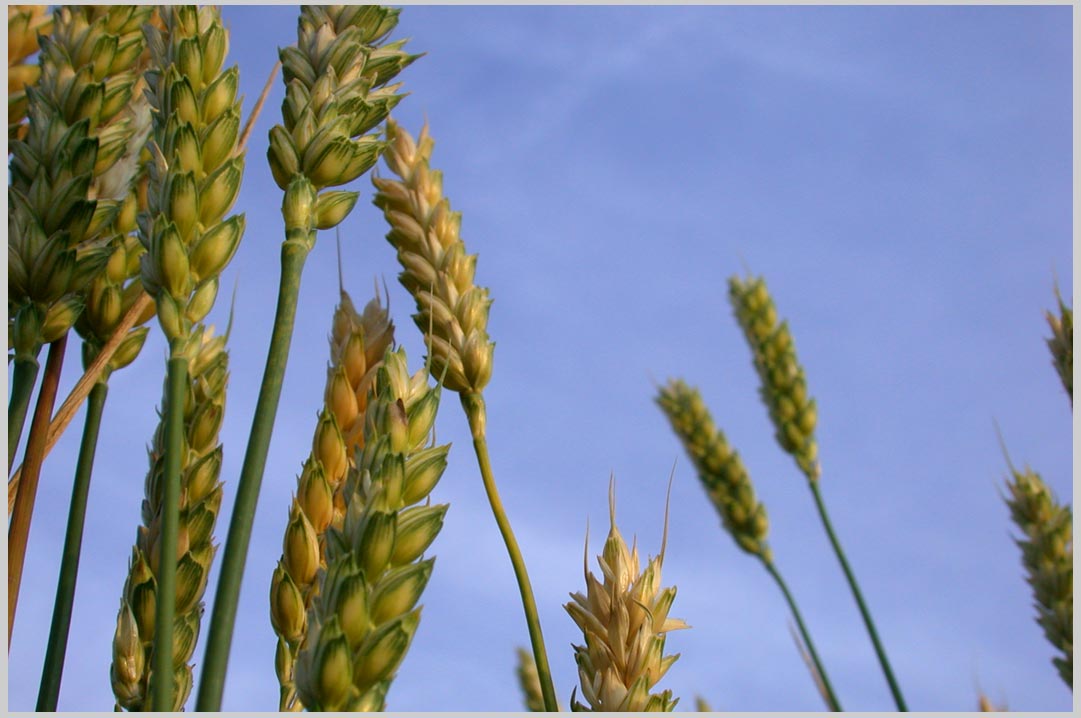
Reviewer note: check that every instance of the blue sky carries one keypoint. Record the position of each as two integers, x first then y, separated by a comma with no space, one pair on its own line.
902,178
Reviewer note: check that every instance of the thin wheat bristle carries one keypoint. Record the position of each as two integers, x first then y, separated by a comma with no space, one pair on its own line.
200,501
364,613
1061,343
357,345
719,467
624,619
452,310
783,382
1047,555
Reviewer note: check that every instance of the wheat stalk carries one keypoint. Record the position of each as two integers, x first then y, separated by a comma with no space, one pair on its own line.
336,92
357,345
195,176
364,615
200,498
1047,554
624,619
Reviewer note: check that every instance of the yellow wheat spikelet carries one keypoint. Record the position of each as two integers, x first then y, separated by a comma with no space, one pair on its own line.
1061,343
452,310
624,619
25,23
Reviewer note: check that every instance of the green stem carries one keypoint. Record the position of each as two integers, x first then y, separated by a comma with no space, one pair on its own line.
162,673
51,674
476,414
212,679
834,704
23,376
879,650
23,510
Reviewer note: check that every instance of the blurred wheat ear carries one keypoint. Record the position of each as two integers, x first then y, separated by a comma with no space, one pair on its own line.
783,388
134,644
729,487
1047,554
1061,343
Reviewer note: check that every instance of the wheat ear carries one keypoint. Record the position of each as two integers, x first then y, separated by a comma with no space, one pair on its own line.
1061,343
793,413
365,612
624,620
729,488
68,181
529,682
200,499
1047,554
357,345
452,312
783,382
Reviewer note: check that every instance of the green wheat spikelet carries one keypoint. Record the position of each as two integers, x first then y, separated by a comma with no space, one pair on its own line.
783,382
336,92
72,171
719,467
1047,554
195,173
364,615
201,494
